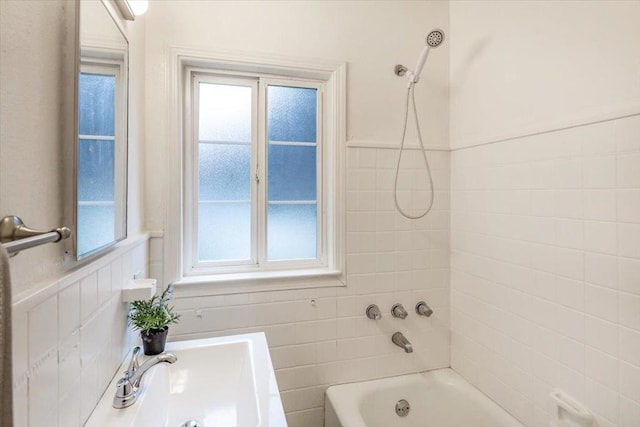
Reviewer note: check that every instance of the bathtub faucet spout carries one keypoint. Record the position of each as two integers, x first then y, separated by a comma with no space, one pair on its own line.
402,342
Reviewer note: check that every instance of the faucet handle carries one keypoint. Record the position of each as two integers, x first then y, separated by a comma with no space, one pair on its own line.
398,311
373,312
423,309
133,364
125,393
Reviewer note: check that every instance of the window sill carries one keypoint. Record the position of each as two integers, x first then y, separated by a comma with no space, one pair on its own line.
235,283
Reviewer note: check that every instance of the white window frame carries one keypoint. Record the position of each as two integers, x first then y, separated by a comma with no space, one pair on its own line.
329,271
191,264
259,168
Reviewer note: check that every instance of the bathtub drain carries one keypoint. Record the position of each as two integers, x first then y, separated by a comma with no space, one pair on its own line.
402,408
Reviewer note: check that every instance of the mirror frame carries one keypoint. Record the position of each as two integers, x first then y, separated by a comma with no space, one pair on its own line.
71,154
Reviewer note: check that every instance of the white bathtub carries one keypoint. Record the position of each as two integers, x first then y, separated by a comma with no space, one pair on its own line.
438,398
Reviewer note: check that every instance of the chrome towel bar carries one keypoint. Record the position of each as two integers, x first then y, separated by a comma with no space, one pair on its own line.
15,236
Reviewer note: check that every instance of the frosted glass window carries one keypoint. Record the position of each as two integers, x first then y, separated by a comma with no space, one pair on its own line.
96,162
96,104
225,172
224,231
292,232
256,175
225,113
291,114
292,172
96,170
96,226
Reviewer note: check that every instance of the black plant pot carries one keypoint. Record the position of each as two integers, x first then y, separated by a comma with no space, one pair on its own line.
153,340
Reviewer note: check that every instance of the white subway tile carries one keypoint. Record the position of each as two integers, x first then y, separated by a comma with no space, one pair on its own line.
629,310
602,335
629,413
628,172
569,233
69,309
600,237
69,410
602,368
629,345
601,270
43,329
599,172
43,393
629,275
601,302
602,400
569,173
20,344
628,203
88,296
104,285
629,240
629,385
69,363
600,205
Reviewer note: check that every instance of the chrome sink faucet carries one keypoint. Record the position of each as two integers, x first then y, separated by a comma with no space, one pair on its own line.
399,339
128,385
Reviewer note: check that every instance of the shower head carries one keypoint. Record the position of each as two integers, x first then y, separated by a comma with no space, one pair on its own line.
435,38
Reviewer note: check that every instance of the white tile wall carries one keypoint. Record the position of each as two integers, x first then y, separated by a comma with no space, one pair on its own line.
69,338
389,260
545,270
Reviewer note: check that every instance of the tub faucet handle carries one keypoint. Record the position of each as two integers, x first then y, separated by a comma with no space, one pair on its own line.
422,309
373,312
398,311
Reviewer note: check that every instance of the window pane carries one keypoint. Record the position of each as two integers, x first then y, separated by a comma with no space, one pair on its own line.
225,113
95,170
96,102
291,114
292,172
96,226
225,172
292,232
224,231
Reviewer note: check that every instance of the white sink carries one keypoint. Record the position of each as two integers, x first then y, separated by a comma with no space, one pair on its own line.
218,382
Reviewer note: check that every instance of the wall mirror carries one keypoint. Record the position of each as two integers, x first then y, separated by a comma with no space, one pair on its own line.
101,132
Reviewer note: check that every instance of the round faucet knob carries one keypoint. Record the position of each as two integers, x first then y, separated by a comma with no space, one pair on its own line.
373,312
423,309
398,311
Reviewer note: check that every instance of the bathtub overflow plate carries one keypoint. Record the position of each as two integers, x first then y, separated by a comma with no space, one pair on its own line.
402,408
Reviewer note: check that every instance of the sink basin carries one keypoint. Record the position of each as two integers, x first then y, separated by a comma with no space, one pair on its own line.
217,382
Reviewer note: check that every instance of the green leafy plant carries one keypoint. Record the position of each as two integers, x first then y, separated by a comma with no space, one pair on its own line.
154,314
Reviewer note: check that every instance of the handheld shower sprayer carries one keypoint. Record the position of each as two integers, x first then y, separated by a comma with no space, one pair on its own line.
433,39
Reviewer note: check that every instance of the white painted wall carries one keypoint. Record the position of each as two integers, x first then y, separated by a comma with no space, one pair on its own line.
520,67
37,112
545,229
36,40
371,36
69,328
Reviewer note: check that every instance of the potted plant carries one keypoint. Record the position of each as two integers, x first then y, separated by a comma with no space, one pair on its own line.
153,317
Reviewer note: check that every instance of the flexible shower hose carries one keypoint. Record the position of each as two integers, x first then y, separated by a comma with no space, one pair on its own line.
411,96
